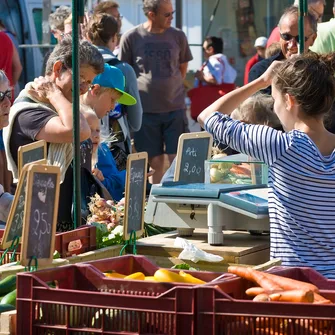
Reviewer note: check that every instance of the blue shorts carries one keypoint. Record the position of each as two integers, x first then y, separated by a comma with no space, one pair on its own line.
161,131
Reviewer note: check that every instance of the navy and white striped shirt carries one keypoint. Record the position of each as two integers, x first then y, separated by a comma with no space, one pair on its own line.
302,190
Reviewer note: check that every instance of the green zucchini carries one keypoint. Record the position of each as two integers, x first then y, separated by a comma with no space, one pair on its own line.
6,308
7,285
9,299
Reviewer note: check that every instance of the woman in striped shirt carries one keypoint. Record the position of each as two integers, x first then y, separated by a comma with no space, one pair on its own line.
301,161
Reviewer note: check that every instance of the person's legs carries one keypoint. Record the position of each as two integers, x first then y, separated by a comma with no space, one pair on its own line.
175,125
150,139
157,163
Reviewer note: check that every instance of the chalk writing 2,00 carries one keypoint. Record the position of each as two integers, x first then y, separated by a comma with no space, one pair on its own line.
191,169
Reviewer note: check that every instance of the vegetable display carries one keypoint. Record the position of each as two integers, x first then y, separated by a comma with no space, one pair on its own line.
278,288
230,173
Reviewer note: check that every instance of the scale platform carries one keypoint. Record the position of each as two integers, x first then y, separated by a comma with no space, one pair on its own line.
213,206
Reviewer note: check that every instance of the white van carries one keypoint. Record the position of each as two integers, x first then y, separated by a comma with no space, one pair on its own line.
24,19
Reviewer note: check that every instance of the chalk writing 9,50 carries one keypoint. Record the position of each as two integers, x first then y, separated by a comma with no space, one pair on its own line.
40,219
191,169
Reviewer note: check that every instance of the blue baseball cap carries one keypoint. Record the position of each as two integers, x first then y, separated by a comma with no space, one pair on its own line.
113,77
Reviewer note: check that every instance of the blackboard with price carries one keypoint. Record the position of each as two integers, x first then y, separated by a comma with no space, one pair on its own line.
16,214
193,150
32,152
38,239
136,182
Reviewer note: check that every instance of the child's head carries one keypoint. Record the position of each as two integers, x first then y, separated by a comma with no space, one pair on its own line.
107,89
258,109
94,124
305,87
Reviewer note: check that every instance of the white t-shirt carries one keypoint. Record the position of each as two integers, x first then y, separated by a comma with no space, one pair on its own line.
219,67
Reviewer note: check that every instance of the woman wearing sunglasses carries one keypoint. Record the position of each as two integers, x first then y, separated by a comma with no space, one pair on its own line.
5,103
43,111
301,161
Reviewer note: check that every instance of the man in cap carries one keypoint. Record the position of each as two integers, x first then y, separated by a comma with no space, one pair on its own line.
289,41
260,46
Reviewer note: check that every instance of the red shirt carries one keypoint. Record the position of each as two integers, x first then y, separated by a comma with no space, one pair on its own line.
274,37
6,56
251,62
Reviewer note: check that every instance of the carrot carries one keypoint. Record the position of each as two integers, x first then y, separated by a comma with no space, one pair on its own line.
253,291
318,299
293,296
255,276
290,284
262,297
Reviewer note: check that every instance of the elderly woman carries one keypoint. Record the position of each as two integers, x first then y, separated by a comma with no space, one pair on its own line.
43,111
5,97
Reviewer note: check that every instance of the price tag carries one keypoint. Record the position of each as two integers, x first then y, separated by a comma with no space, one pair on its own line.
136,183
40,219
33,152
193,150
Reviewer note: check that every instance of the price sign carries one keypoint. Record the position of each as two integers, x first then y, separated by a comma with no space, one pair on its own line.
16,215
193,150
32,152
136,182
39,229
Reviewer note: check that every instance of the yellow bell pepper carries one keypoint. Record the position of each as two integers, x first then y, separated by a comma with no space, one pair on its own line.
150,278
114,275
136,276
190,279
163,275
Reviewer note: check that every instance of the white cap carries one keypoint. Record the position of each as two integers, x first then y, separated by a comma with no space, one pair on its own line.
261,42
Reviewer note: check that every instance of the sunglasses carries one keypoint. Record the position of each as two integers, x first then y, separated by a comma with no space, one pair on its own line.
169,14
288,37
5,94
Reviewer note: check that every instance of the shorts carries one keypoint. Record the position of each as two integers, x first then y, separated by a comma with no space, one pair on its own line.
159,131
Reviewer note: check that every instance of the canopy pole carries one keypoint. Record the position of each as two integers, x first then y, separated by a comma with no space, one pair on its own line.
303,10
77,18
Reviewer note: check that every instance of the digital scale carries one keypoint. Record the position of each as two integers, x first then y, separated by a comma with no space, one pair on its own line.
216,206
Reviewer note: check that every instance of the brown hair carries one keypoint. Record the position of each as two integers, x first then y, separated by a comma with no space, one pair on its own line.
104,6
272,49
101,28
258,109
309,78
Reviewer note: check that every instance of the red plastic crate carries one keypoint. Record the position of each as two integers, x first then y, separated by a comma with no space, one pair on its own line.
129,264
82,238
226,309
87,302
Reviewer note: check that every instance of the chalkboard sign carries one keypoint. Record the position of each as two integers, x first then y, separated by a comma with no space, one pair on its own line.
15,218
193,150
136,182
32,152
39,230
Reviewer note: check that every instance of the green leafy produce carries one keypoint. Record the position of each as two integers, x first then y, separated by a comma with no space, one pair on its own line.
101,232
56,255
184,266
